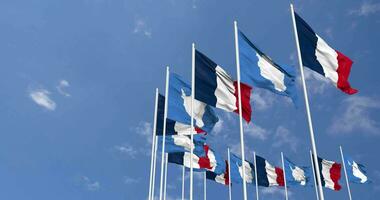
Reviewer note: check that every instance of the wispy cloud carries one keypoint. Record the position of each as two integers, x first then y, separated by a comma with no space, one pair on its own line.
126,150
255,131
317,84
130,180
141,27
366,9
283,137
61,87
42,98
145,129
262,99
89,184
354,114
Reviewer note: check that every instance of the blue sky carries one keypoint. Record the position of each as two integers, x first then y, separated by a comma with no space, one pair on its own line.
77,81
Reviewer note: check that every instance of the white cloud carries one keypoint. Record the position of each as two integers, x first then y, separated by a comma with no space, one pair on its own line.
354,114
255,131
61,87
130,180
142,28
145,129
127,150
284,137
274,191
315,83
41,98
366,9
218,127
262,99
88,184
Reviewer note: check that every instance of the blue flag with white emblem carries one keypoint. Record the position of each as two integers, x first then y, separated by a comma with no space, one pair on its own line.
296,175
356,172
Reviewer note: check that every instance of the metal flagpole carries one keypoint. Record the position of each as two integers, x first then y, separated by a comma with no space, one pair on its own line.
153,145
256,178
240,109
183,182
314,148
204,186
154,167
285,184
166,174
192,116
314,178
164,131
229,174
345,172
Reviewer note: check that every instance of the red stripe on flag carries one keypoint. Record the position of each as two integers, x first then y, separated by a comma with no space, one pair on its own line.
204,162
280,176
344,68
335,175
198,130
227,175
245,100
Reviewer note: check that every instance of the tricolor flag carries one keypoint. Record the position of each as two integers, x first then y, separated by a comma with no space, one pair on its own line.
330,173
182,143
320,57
221,178
257,69
172,127
356,172
215,87
296,175
179,106
237,170
183,158
268,175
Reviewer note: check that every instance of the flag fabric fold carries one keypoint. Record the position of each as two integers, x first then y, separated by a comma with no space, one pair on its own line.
296,175
267,174
356,172
318,56
330,172
182,143
221,178
215,87
237,170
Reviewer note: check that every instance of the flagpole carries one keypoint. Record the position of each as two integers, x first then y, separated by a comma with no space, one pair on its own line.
240,109
166,174
154,167
345,172
204,187
285,184
256,179
229,174
314,178
192,116
153,145
164,131
183,182
314,148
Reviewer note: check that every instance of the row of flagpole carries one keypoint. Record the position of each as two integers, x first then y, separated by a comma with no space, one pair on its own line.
313,152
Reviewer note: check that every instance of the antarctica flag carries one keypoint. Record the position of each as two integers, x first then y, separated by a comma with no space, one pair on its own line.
356,172
296,175
320,57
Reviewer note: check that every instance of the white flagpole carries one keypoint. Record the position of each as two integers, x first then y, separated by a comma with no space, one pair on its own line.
314,148
204,186
345,172
164,132
154,167
240,109
283,168
153,145
192,116
314,178
166,174
183,182
256,178
229,174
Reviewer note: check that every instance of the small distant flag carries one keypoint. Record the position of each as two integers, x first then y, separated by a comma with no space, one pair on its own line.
330,172
221,178
257,69
237,170
356,172
268,175
214,86
321,58
182,143
179,106
216,163
172,127
296,175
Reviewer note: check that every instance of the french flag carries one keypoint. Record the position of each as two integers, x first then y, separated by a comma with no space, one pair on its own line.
221,178
215,87
172,127
268,175
182,143
320,57
330,173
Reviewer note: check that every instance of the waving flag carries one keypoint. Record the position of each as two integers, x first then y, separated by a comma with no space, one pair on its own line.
296,175
179,106
356,172
221,178
215,87
257,69
330,173
237,170
172,127
214,160
182,143
320,57
267,175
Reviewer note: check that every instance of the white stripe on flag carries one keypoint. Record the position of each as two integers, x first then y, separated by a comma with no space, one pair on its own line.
268,71
326,166
225,91
328,58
